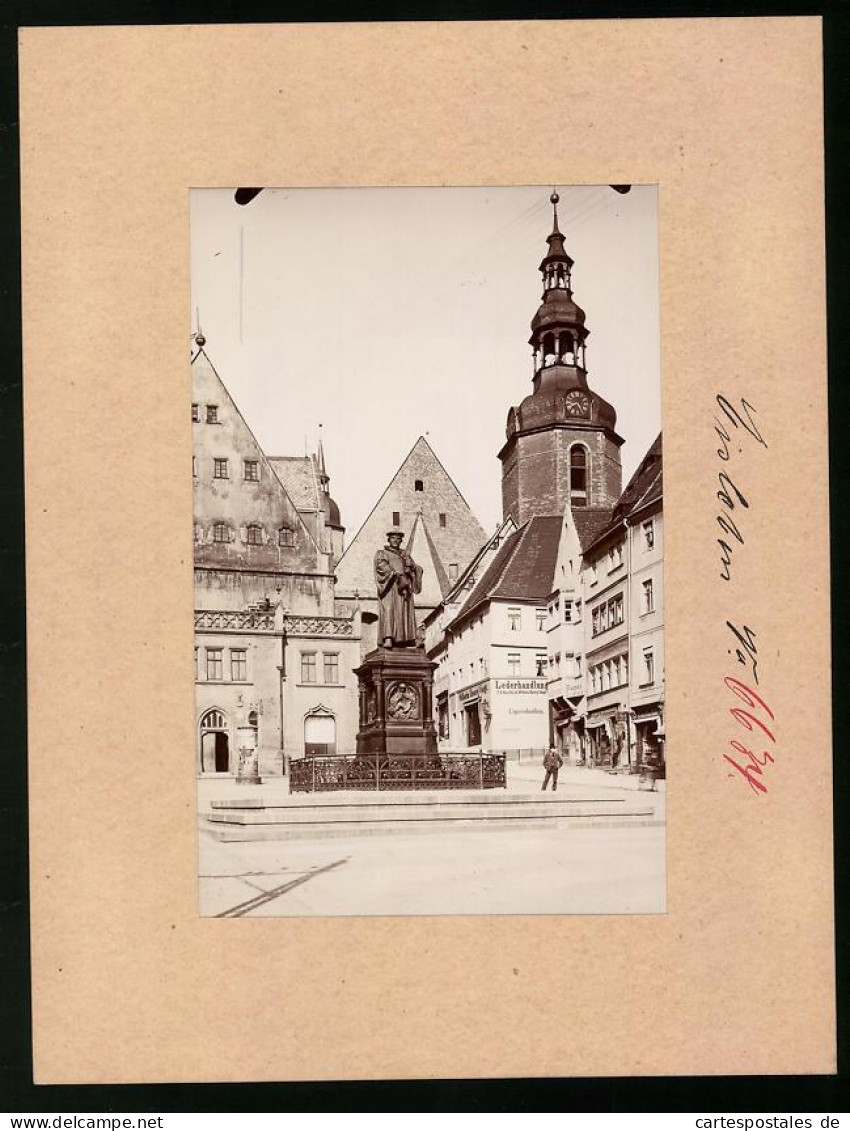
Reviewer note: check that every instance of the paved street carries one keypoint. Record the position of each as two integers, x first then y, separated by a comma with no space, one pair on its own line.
475,872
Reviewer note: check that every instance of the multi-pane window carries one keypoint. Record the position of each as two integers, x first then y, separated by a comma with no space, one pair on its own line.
568,611
649,666
540,616
214,668
308,667
212,414
220,469
540,663
453,571
331,667
513,663
221,533
595,622
648,596
196,413
648,534
616,608
238,664
254,535
514,619
286,536
251,470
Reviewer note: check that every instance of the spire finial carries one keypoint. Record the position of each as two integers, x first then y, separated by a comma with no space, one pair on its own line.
554,198
200,340
320,455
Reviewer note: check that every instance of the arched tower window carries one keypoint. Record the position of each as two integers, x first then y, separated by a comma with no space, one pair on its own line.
578,476
548,349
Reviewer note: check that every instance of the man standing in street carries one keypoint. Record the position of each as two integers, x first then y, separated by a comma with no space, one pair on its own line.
552,762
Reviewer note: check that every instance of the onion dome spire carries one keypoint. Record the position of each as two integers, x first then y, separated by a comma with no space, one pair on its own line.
558,332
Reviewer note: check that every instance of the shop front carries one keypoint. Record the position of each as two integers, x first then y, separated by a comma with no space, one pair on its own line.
649,736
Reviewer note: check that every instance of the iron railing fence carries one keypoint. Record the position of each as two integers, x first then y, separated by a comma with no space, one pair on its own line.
397,772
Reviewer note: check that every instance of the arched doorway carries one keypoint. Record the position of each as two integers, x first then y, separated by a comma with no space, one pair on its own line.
319,736
215,743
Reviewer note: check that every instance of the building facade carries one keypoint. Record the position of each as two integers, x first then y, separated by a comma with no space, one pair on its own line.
273,655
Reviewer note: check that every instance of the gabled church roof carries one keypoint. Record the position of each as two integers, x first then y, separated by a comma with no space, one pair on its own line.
432,511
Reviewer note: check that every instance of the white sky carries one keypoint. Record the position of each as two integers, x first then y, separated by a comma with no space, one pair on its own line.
386,314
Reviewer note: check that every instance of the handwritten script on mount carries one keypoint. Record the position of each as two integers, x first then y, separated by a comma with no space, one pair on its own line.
740,436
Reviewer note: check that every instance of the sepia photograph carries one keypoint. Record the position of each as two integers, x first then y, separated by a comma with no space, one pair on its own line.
428,551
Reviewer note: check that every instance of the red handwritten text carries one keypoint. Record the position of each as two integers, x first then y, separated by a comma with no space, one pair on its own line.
753,764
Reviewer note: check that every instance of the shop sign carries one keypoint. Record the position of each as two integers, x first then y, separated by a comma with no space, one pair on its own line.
472,692
521,686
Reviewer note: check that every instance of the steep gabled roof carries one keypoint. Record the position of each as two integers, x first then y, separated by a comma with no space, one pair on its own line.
205,375
420,546
644,487
524,567
298,475
589,523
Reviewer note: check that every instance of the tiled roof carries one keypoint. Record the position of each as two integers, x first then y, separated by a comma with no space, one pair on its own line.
524,567
645,486
298,475
590,522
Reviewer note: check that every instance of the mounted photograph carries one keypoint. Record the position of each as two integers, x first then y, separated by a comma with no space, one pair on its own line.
428,551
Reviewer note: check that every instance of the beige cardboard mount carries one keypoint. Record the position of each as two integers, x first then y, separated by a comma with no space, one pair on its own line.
117,124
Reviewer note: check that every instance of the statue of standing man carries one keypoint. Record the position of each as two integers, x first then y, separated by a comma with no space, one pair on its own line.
398,579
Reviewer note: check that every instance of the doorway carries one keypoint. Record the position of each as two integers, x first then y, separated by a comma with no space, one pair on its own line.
473,725
215,743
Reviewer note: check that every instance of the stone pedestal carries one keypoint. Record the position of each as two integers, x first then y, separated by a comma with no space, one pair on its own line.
396,715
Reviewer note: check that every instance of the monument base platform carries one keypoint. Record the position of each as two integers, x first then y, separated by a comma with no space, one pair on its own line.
396,696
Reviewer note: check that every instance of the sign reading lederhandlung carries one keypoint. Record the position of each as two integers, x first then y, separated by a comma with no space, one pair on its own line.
521,686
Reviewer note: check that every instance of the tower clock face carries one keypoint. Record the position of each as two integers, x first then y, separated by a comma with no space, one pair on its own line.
578,404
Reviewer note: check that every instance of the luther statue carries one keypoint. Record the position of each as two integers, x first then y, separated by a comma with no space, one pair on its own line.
398,579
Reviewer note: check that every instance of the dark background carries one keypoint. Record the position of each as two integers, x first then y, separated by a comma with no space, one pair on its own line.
713,1095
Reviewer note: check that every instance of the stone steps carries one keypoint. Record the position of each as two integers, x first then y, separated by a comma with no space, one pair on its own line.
373,815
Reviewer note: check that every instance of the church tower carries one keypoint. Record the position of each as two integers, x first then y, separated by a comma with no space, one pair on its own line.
562,448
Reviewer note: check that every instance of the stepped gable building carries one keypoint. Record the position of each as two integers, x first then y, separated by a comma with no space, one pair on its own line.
273,658
562,449
441,533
